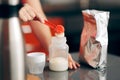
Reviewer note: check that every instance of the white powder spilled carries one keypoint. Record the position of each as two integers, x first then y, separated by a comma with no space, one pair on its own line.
58,64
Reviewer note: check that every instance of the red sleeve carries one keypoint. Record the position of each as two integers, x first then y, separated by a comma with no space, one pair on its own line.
23,1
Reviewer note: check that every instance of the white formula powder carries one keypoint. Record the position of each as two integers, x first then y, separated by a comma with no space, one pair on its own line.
58,64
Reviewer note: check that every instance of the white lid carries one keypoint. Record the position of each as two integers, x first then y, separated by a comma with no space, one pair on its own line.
36,56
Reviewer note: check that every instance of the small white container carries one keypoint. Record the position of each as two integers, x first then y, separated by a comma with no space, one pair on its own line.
36,62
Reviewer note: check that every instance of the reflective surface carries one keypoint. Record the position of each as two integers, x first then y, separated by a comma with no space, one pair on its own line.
86,73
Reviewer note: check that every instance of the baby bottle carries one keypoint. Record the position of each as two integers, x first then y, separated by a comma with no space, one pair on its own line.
58,54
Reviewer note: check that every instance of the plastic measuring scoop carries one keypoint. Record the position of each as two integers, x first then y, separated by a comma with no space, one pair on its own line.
57,28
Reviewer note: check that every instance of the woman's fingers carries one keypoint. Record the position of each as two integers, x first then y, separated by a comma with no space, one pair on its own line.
72,64
27,13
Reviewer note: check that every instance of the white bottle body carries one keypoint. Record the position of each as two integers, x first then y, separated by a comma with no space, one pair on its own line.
58,54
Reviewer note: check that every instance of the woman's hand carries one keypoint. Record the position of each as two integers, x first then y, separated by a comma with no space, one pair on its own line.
72,63
28,13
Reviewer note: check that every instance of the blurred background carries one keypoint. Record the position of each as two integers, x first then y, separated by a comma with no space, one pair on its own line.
68,13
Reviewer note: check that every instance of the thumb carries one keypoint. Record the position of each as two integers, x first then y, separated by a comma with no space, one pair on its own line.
42,20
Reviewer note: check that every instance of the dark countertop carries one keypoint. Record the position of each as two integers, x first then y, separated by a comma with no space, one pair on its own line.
85,73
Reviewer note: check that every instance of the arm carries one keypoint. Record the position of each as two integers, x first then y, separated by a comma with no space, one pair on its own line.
28,12
42,31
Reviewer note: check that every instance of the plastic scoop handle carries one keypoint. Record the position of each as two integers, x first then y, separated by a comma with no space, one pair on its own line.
51,25
57,28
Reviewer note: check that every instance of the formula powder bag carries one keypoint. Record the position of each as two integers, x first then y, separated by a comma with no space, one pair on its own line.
94,38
